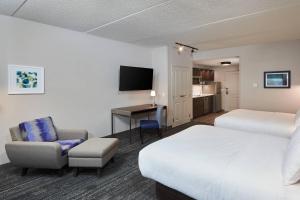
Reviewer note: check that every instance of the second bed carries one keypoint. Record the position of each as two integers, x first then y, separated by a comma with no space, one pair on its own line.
273,123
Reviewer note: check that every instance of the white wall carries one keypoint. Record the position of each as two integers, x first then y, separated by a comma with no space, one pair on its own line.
160,63
81,77
254,60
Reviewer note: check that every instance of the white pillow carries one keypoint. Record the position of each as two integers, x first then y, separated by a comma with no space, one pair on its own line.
291,162
297,118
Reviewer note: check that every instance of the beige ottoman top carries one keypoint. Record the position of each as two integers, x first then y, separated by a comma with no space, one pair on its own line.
94,148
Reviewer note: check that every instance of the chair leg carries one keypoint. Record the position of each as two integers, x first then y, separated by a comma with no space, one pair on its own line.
141,136
75,171
159,133
99,171
24,171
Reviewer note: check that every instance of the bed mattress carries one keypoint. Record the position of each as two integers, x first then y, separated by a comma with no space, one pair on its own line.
212,163
274,123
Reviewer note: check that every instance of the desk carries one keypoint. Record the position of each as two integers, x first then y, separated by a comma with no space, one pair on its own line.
133,110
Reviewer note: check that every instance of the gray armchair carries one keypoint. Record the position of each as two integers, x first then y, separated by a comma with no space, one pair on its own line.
40,154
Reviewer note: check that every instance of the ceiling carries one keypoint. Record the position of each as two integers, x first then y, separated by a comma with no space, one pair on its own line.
205,24
217,62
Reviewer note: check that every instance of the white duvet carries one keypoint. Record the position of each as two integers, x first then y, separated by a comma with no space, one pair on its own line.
274,123
211,163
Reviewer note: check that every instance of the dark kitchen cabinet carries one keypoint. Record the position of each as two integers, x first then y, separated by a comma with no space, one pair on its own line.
201,75
211,75
202,106
198,107
196,81
208,104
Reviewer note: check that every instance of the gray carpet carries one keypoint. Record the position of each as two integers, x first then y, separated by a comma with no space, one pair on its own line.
119,180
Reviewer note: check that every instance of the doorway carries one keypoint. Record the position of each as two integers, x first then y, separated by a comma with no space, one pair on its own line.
223,89
231,93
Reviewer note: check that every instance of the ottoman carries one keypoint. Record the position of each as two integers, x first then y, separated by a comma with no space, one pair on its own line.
94,152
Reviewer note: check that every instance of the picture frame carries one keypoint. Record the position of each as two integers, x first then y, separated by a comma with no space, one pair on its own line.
25,80
277,79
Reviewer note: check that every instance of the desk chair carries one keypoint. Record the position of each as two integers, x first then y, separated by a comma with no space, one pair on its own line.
152,124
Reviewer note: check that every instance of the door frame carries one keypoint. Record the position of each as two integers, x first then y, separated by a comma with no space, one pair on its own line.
171,93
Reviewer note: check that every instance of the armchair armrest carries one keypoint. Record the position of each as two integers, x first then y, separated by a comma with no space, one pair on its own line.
36,154
69,134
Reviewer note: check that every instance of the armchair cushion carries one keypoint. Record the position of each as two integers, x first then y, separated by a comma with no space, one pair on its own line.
66,145
38,130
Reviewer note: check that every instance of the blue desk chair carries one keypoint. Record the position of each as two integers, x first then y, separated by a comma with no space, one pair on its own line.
152,124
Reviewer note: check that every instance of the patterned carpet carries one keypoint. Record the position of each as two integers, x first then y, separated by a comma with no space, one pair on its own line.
209,119
119,180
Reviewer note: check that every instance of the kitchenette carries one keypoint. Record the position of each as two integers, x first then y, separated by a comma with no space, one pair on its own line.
206,93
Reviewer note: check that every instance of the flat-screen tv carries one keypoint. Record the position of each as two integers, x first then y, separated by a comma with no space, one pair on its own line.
135,78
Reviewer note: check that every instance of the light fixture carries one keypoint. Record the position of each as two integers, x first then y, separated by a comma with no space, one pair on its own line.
153,94
181,47
225,63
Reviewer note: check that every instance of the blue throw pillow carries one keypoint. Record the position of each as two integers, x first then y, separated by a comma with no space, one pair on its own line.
66,145
38,130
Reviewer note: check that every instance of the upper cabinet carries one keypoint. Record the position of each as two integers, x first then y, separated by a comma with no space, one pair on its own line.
202,75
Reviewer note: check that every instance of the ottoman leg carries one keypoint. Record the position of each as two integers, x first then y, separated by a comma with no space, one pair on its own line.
99,171
75,171
24,171
61,172
112,160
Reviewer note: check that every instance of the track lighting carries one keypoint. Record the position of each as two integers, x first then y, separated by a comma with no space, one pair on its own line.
181,47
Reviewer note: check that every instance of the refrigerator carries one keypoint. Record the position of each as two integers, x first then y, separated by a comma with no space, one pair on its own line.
217,98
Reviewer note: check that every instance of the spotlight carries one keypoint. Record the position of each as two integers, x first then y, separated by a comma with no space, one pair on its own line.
180,48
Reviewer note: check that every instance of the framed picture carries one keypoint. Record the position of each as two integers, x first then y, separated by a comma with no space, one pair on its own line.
25,80
277,79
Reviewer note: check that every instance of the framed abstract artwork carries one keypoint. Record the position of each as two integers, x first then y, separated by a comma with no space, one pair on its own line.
277,79
25,80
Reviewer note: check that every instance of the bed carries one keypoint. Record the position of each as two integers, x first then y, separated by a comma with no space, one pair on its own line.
211,163
274,123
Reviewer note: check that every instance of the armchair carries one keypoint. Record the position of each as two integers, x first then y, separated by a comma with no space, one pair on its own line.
40,154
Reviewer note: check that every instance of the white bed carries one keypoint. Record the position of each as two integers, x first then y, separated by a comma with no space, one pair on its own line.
211,163
274,123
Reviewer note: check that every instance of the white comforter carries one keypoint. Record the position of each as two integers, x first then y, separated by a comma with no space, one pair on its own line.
274,123
211,163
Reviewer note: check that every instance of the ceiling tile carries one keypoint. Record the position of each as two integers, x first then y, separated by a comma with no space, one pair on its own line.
8,7
275,25
206,24
183,15
81,15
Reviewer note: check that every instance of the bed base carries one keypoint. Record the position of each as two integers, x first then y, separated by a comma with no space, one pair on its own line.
165,193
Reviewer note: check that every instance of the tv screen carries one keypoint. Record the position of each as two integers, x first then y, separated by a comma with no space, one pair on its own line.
135,78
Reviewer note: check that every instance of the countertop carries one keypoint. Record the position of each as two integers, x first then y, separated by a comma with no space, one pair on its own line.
203,95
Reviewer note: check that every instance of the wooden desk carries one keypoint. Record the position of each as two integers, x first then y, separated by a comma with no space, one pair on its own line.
133,110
